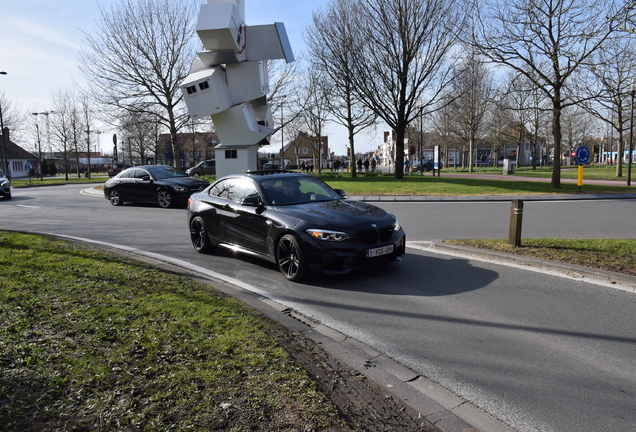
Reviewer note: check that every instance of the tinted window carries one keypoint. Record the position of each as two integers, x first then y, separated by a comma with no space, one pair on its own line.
161,172
139,173
240,189
221,189
129,173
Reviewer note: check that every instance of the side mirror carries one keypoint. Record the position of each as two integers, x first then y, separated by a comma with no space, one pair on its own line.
252,201
146,178
340,192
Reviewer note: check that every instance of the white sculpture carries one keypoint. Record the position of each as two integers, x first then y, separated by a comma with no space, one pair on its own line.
228,80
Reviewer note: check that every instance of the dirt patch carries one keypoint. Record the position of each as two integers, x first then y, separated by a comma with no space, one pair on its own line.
364,405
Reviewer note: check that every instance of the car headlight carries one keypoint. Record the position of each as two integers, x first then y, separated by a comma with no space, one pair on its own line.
396,225
179,189
327,235
4,183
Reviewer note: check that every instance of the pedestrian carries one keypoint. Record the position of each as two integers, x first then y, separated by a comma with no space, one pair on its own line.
373,165
359,164
366,165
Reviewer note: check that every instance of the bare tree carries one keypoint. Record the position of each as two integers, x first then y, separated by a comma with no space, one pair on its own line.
286,97
443,120
140,132
138,56
64,127
473,89
314,116
548,41
329,39
400,57
616,61
11,117
499,124
35,125
626,16
574,127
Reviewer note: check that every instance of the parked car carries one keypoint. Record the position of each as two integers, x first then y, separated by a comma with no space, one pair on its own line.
163,184
5,186
207,167
295,221
428,165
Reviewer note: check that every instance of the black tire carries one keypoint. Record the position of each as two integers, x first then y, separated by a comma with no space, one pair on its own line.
291,258
164,199
199,236
115,198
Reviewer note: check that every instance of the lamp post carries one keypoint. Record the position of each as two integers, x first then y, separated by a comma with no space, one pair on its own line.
282,141
632,90
421,139
48,127
48,140
4,141
88,153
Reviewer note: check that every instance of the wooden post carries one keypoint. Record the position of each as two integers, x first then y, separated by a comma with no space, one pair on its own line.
516,216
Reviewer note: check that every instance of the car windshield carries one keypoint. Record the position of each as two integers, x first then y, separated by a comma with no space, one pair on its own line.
291,190
162,172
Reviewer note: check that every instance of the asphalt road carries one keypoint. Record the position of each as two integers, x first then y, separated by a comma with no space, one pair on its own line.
538,351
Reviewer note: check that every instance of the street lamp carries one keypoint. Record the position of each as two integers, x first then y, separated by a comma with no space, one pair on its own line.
282,141
632,90
48,127
88,153
421,139
4,141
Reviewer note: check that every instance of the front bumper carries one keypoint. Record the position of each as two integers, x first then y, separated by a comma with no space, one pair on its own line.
343,257
5,191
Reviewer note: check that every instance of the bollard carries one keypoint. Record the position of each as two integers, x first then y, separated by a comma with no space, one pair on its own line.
516,216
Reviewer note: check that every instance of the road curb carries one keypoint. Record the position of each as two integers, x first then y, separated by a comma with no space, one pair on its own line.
572,270
488,198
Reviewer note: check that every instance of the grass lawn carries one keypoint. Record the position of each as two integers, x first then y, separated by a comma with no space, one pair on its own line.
93,341
605,254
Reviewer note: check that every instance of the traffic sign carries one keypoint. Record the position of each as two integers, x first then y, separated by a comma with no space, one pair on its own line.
583,155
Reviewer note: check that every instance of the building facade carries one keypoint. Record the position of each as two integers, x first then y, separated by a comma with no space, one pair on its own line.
20,163
191,148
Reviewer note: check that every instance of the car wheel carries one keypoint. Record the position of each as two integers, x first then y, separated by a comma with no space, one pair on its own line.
199,236
164,199
115,198
291,258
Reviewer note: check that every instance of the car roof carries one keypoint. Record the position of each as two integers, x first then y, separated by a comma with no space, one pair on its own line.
260,175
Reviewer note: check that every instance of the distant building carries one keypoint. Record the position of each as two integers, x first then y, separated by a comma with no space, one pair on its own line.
19,161
303,149
192,148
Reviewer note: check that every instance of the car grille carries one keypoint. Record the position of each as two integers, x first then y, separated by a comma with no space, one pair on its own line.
370,237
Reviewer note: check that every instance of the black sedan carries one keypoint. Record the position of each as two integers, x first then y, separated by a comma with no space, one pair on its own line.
295,221
163,184
5,186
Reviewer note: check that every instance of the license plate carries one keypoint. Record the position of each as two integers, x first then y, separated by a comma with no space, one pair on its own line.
384,250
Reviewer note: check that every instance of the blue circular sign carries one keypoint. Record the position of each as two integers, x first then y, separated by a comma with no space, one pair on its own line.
583,155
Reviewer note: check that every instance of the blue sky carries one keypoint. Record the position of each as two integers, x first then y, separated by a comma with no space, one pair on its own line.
41,39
